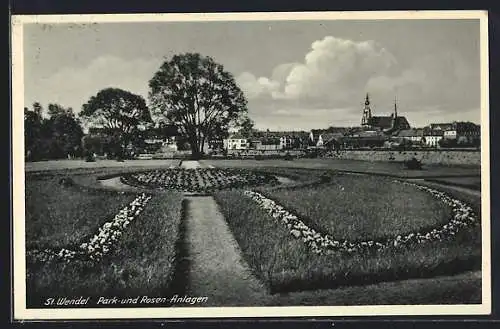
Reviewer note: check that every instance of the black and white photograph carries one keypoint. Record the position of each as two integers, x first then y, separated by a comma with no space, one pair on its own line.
250,165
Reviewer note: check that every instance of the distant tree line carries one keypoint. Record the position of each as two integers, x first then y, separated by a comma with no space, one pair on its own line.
58,136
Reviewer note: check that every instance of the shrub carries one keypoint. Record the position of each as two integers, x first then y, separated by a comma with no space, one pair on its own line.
312,154
288,156
89,157
413,164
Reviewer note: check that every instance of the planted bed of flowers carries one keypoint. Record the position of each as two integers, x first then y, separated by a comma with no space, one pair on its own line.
100,243
199,180
462,217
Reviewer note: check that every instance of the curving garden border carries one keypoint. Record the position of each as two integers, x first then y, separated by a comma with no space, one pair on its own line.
463,217
101,243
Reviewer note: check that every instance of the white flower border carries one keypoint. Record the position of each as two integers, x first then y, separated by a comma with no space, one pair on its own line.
101,243
463,217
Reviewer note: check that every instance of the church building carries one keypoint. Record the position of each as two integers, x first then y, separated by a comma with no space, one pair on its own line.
387,124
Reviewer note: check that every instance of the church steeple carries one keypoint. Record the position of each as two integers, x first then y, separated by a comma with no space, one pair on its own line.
367,112
395,108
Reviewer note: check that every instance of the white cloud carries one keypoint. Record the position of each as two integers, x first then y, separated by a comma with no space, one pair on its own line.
333,71
72,87
254,87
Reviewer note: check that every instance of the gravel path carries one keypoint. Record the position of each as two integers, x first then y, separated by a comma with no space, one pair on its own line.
115,183
190,164
217,269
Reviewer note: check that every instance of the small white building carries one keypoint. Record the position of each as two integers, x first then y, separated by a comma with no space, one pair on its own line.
432,138
236,142
432,141
450,134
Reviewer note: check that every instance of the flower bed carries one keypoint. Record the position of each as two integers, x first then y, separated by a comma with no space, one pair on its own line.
286,264
199,180
100,244
462,217
360,207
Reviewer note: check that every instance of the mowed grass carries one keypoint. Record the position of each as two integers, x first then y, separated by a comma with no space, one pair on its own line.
58,165
456,289
363,207
467,182
57,216
143,261
377,167
284,263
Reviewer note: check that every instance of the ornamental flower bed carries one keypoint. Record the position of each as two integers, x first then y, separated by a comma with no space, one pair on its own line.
462,218
199,180
101,243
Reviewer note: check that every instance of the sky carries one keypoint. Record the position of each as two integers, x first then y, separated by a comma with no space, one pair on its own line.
296,75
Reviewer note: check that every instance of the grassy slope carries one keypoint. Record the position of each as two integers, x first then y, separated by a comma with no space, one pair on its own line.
142,264
59,216
363,207
286,265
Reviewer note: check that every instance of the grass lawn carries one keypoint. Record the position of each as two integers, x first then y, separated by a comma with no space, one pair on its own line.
285,264
52,165
58,216
143,261
457,289
381,168
363,207
467,182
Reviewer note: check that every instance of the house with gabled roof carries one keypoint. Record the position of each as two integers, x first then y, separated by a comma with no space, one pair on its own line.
413,135
236,141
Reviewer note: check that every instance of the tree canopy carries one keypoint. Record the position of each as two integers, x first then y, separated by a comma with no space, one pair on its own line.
56,137
246,127
197,94
119,112
116,110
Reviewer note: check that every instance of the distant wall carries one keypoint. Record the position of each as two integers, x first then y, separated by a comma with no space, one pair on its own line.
448,157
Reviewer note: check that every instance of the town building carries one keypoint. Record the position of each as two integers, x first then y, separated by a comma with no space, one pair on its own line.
441,126
450,134
453,134
364,139
237,142
413,135
431,137
330,140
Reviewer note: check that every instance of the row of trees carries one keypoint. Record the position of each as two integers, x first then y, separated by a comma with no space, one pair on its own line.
189,91
57,136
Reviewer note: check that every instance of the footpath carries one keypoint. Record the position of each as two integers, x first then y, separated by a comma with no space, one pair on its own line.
217,269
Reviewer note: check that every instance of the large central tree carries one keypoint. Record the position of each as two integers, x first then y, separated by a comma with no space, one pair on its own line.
197,94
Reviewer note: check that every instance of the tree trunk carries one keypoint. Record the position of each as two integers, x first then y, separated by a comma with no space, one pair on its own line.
202,145
195,150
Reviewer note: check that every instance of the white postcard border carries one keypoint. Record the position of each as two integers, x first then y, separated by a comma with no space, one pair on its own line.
19,270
